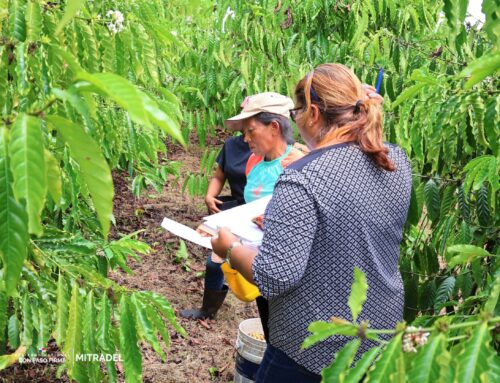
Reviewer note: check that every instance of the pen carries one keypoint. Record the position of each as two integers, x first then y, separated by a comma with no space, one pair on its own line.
379,79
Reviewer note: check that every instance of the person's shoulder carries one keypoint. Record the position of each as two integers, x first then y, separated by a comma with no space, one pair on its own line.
252,161
396,152
293,156
235,145
235,141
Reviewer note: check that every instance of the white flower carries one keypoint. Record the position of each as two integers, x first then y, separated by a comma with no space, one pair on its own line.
189,20
119,17
117,20
413,339
229,12
173,33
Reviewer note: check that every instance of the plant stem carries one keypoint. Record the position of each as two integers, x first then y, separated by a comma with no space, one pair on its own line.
430,329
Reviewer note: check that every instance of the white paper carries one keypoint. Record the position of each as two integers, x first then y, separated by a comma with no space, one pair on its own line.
186,233
239,219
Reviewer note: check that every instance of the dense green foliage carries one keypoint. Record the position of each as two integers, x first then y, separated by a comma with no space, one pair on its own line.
83,91
76,102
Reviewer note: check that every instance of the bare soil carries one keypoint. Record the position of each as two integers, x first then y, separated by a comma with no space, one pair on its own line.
208,354
210,346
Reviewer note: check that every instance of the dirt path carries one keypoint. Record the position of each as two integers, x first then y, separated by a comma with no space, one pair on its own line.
208,354
210,346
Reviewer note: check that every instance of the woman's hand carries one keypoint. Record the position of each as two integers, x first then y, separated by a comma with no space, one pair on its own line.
371,93
202,232
212,203
221,243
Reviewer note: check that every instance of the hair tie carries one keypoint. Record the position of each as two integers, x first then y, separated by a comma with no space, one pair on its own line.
357,107
314,96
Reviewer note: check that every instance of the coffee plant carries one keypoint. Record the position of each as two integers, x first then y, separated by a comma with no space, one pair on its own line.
76,102
91,86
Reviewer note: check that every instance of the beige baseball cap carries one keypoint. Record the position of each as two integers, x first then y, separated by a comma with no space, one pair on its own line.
270,102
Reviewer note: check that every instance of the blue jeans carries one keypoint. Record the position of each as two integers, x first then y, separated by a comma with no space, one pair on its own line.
277,367
214,277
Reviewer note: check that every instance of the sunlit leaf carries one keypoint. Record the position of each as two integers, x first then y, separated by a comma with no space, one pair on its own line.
475,357
13,222
424,368
341,362
28,167
478,70
355,374
10,359
131,354
61,310
323,330
33,20
71,9
358,293
385,364
93,166
74,337
53,172
142,108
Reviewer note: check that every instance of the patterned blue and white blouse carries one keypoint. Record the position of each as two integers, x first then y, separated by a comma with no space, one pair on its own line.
332,210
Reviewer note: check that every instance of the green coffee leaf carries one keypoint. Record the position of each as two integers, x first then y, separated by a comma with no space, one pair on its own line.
13,223
408,93
53,180
466,254
492,301
479,69
432,200
70,11
141,108
476,355
322,330
28,167
444,292
424,368
354,375
74,337
104,323
358,293
33,21
145,327
93,167
342,361
131,354
385,365
61,310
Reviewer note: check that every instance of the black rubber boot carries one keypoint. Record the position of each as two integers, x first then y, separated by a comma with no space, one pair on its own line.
212,301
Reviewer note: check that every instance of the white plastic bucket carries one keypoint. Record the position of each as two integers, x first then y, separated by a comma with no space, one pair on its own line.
250,351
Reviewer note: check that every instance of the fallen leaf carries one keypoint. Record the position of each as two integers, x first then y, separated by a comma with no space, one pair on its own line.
204,324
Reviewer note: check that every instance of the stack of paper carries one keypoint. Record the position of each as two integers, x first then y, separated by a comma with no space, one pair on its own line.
238,220
186,233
